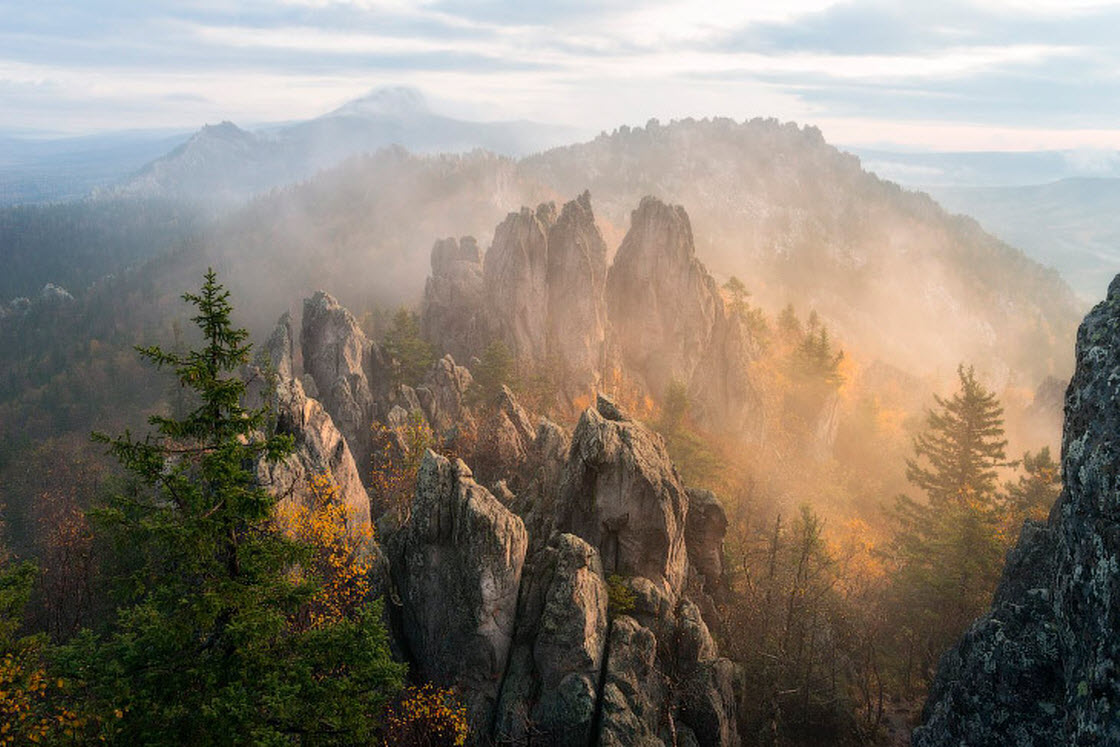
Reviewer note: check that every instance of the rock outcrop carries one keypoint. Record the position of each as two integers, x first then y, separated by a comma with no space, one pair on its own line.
540,290
339,358
320,448
663,304
456,565
515,274
1043,665
453,298
621,493
655,317
669,323
552,684
521,619
544,278
576,280
443,397
704,532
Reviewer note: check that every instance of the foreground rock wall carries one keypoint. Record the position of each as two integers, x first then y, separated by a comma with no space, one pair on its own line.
1043,666
523,624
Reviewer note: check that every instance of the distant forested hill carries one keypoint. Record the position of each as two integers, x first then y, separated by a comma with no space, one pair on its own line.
73,244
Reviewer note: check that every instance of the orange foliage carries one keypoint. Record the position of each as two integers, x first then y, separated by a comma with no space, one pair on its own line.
427,716
340,558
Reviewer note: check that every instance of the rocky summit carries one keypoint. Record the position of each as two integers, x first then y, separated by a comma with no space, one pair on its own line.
1041,667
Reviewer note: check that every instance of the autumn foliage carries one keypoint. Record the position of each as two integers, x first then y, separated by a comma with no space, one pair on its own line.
340,560
427,716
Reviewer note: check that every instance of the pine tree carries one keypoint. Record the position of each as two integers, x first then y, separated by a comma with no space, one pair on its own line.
963,445
739,293
410,353
495,369
203,648
949,549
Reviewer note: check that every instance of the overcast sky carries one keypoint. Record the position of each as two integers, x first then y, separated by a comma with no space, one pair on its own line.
1014,74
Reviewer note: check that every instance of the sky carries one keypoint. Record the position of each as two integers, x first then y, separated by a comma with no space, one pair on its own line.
941,75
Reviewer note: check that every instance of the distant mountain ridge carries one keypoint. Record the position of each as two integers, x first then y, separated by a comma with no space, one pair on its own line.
40,170
1071,224
223,162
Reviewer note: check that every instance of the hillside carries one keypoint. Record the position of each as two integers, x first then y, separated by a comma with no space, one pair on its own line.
799,221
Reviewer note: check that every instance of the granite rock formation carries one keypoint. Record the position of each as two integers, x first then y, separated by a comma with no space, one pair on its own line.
320,448
517,614
339,359
456,565
453,297
655,317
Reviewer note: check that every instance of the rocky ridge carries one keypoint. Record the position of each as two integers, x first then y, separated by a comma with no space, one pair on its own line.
544,289
1041,667
503,592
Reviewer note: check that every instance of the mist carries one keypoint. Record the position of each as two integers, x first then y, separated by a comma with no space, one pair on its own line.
697,431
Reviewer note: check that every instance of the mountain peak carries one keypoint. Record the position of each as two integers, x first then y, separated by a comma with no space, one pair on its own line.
394,101
223,131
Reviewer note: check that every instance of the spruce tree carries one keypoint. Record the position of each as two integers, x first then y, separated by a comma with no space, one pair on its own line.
410,353
963,445
949,548
204,648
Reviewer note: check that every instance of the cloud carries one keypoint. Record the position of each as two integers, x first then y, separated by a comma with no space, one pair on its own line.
1036,64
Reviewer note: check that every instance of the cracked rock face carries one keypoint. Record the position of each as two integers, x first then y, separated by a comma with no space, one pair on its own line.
320,448
663,304
545,291
621,493
522,626
1043,666
338,357
551,686
515,276
544,282
576,279
456,565
669,322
